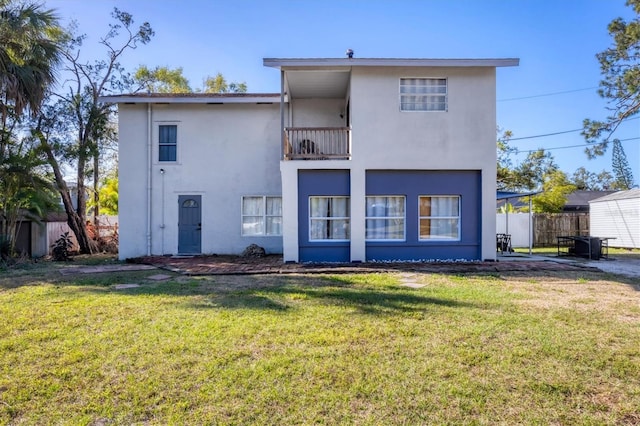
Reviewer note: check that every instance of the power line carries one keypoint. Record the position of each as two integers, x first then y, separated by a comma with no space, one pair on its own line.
546,134
561,133
569,146
547,94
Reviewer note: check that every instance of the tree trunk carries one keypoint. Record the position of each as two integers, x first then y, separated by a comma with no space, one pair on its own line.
81,202
74,220
96,195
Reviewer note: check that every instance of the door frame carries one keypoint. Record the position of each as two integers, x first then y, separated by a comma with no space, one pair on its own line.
196,247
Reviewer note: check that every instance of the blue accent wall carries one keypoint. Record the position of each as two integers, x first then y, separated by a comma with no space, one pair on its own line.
412,184
319,183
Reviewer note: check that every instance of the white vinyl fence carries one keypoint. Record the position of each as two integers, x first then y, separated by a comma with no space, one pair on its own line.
518,227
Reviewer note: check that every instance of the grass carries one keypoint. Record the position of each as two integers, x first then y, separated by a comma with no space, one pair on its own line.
614,252
559,348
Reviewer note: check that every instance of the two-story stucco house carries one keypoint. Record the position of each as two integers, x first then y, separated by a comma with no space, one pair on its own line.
354,160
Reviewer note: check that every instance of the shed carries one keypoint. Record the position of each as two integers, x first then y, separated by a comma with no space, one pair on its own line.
617,216
34,238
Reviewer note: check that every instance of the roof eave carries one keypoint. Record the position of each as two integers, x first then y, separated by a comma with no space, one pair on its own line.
142,99
388,62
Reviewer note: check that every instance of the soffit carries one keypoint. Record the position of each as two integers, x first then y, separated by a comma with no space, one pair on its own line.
317,84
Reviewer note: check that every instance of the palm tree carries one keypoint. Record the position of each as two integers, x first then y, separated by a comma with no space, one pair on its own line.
25,192
29,55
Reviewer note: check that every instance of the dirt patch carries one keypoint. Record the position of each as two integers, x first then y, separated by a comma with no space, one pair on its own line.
273,264
104,268
589,292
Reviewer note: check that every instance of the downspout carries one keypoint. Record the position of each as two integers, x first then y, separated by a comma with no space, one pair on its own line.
162,209
530,225
149,163
281,115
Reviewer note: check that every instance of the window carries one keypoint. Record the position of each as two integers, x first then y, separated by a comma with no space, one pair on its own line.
329,218
385,218
423,94
167,142
261,216
190,204
439,217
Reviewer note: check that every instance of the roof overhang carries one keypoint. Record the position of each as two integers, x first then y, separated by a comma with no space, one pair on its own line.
330,77
193,98
506,195
300,63
619,195
325,83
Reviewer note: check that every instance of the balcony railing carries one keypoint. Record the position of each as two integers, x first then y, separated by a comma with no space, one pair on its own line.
317,143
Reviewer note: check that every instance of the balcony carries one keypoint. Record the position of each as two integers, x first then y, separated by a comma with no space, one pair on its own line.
317,143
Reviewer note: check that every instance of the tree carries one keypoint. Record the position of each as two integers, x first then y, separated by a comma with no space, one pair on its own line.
527,175
107,199
621,168
162,80
585,180
555,188
25,190
532,171
218,84
167,80
620,68
538,171
605,181
73,130
504,175
29,54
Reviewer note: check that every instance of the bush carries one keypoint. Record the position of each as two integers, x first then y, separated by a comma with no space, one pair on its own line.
5,248
61,248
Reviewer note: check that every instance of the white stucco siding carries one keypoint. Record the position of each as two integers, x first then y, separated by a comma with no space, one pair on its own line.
463,137
318,112
224,152
132,180
488,227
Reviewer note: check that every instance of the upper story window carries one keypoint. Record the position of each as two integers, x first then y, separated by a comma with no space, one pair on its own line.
167,142
423,94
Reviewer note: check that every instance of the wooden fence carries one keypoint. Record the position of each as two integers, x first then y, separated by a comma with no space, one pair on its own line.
548,226
108,227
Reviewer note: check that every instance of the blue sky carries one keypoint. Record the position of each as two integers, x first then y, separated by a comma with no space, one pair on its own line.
552,90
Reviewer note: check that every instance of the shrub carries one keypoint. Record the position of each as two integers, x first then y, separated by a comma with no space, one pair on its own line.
61,248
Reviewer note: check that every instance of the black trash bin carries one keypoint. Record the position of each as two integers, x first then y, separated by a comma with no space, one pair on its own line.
589,247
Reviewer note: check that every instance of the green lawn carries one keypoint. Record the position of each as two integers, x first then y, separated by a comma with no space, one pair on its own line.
559,348
614,252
